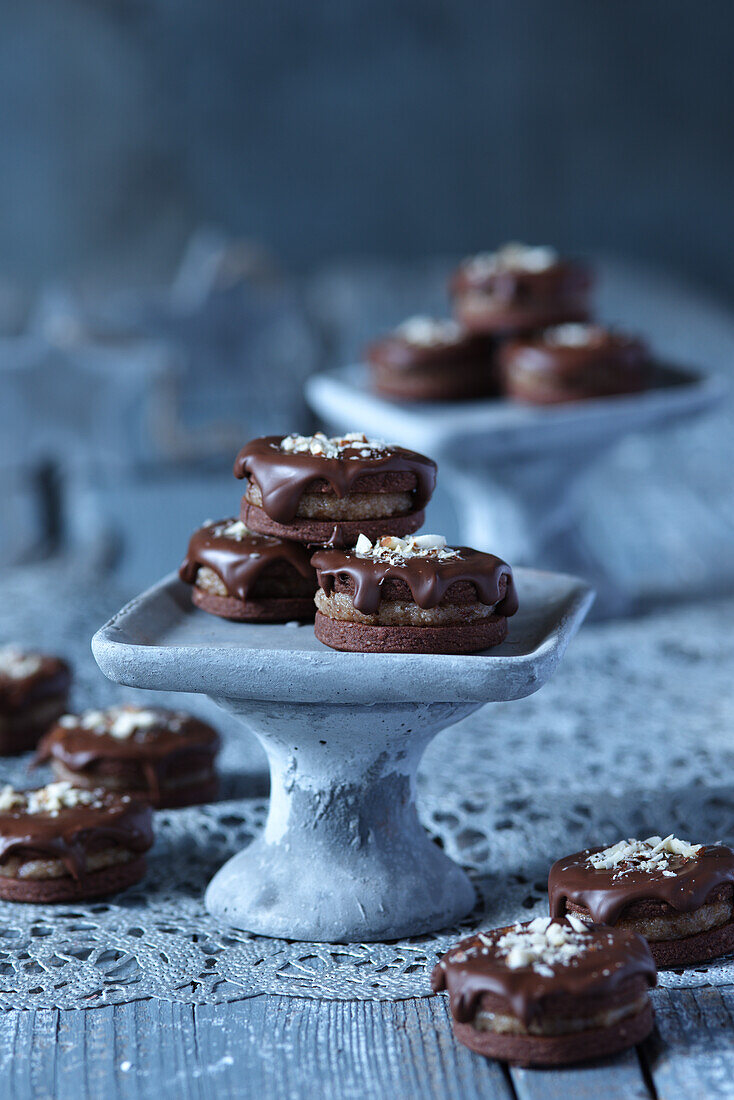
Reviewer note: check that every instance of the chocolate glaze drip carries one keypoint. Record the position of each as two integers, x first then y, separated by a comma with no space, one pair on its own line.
396,352
607,353
467,974
606,894
510,284
155,750
428,579
76,831
283,477
240,563
53,677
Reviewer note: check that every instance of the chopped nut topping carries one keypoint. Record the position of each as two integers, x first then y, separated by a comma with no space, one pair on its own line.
10,798
572,335
394,550
122,722
653,854
511,257
543,944
16,665
334,446
50,799
231,529
539,945
428,332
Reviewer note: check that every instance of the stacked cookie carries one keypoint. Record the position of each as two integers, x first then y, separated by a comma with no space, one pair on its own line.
521,330
62,844
338,515
574,985
84,835
34,692
301,492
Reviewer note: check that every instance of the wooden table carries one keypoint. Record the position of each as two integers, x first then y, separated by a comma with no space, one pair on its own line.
291,1048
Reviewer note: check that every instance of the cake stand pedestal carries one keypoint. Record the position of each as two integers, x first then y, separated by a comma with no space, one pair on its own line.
343,857
513,471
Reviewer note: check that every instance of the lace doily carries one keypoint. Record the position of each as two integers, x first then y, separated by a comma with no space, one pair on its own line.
156,940
631,737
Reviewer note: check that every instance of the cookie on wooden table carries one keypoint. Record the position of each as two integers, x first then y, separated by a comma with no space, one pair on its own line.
679,896
549,992
414,595
237,574
34,691
573,363
519,289
165,757
320,490
62,844
433,360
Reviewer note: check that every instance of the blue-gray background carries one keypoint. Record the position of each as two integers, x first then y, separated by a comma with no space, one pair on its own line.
389,127
161,159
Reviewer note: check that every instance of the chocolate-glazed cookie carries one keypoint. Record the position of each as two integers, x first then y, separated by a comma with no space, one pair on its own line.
61,844
549,993
237,574
414,595
572,363
34,691
323,491
165,757
519,289
679,896
428,360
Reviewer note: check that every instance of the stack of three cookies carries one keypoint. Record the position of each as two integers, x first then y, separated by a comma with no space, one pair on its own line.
521,330
341,513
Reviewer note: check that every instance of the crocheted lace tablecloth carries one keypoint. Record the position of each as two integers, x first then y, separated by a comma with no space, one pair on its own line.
631,737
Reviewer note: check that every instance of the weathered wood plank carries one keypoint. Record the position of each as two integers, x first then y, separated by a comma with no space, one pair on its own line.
263,1047
294,1048
692,1052
619,1078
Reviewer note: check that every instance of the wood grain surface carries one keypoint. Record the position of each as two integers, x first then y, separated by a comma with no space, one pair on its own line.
292,1048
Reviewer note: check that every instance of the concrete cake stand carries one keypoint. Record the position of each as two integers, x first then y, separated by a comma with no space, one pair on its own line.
512,469
343,856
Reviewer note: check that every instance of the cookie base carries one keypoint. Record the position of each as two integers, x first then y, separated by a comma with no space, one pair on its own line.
109,880
21,732
700,947
455,383
544,392
280,610
558,1050
341,533
470,637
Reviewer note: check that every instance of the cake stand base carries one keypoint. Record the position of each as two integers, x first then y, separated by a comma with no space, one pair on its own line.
343,857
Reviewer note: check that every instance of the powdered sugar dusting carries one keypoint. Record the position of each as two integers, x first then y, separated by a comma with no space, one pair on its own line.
654,854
